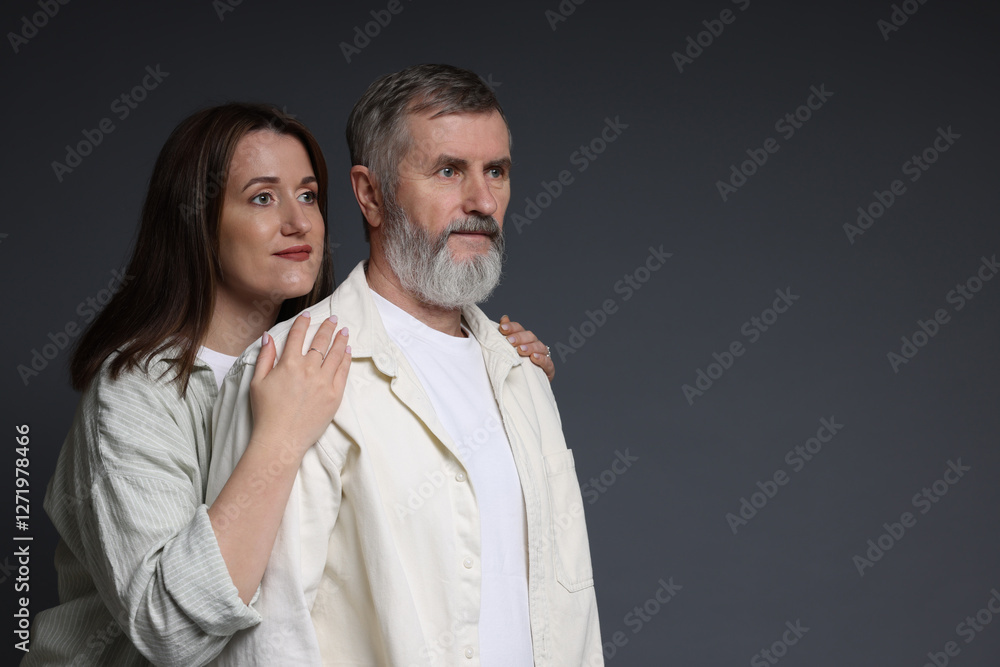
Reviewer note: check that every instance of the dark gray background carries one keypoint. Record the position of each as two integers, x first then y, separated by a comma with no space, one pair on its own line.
621,392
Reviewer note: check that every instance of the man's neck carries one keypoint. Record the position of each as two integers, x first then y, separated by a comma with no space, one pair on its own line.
386,284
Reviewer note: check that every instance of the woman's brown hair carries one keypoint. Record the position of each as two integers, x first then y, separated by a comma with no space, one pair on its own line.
168,297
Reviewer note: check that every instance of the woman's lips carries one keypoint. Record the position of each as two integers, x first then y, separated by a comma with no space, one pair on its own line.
296,253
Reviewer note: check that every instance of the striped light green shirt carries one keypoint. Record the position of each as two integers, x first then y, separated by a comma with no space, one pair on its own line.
141,578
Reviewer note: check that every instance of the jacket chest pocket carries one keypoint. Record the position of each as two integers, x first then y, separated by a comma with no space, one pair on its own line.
568,525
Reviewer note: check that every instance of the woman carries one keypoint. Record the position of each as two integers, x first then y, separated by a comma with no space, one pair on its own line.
232,239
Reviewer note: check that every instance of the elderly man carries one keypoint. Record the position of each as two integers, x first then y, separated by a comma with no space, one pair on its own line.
438,520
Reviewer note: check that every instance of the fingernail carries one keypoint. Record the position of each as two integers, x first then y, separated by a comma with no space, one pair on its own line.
333,318
347,349
524,348
305,313
264,339
505,327
511,339
344,331
536,355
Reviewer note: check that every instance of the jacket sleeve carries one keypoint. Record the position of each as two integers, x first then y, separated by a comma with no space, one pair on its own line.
144,534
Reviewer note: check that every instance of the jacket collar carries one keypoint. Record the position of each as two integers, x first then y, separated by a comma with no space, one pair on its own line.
369,338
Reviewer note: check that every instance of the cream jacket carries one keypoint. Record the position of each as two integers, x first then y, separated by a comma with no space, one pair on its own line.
376,561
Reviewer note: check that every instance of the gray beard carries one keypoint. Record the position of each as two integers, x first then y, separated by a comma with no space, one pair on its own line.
426,269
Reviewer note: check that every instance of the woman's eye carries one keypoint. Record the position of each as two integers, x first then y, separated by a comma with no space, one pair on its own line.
263,198
308,197
447,172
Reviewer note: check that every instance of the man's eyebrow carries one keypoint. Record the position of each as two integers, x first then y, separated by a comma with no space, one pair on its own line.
503,163
445,160
274,179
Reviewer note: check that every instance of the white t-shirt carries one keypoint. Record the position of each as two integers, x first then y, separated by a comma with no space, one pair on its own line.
453,374
220,363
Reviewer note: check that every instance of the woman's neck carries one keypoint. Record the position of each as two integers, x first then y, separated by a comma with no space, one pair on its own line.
236,325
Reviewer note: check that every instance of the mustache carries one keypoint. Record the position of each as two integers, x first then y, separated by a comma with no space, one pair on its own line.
478,224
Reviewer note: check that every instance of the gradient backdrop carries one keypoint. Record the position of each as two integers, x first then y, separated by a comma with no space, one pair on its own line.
786,430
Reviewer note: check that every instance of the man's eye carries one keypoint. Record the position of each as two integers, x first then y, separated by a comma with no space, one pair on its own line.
263,198
447,172
496,172
308,197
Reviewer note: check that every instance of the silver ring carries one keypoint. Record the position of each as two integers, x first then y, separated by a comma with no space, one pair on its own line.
313,349
548,351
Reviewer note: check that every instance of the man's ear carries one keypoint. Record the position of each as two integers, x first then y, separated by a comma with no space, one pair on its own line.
367,194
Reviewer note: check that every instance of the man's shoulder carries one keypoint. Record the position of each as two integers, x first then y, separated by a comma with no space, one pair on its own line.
487,332
344,303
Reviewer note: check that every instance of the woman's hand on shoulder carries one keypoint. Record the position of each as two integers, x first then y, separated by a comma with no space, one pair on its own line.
528,345
294,400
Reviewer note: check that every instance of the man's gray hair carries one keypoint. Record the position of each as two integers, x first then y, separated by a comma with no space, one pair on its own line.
377,133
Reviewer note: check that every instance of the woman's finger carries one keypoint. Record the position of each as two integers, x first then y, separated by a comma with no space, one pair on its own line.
265,360
544,362
336,354
340,379
536,346
528,345
321,341
297,333
507,327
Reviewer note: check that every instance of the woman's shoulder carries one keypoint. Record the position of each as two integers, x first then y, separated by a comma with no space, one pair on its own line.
148,401
142,409
152,380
